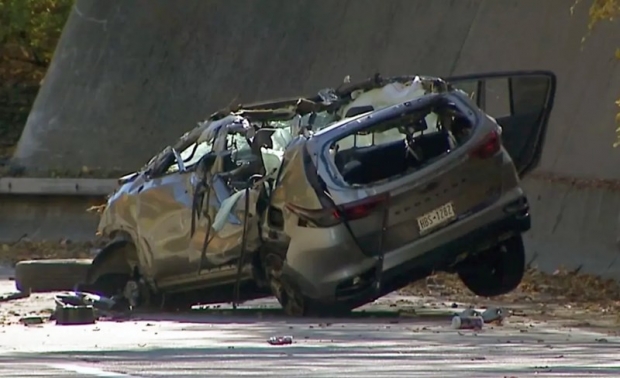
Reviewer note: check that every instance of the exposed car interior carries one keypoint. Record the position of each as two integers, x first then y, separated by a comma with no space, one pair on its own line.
408,143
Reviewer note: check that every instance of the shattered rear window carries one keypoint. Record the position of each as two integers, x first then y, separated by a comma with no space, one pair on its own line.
400,145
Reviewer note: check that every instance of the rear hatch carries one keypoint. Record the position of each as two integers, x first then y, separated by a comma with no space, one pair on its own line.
407,171
452,189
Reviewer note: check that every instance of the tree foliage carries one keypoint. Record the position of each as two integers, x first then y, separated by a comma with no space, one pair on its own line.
29,31
602,10
605,10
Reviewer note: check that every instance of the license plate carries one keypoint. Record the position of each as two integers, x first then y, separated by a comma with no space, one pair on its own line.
436,217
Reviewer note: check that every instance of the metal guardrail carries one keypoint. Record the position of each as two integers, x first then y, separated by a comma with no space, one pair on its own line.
44,209
57,186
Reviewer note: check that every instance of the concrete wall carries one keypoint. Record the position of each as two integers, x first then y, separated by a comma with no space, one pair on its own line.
47,218
129,77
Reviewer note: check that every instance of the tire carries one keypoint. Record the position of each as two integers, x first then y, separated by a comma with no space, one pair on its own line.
293,302
41,276
497,271
110,275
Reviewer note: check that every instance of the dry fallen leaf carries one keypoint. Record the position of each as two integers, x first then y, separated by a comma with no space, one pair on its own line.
562,288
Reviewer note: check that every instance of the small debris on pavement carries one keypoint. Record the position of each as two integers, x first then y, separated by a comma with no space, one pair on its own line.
14,296
79,308
67,314
87,299
280,340
32,320
471,318
467,322
494,315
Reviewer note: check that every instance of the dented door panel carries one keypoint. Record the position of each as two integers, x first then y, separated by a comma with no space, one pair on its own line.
221,224
164,222
293,186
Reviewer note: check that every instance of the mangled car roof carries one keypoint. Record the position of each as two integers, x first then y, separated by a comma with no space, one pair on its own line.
326,100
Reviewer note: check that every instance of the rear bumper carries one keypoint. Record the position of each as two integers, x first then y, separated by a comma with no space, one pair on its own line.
355,281
444,256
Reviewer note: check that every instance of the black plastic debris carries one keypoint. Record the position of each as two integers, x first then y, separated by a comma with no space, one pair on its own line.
32,320
14,296
74,315
79,308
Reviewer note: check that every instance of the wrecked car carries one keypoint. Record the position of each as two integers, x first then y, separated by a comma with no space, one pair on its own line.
330,201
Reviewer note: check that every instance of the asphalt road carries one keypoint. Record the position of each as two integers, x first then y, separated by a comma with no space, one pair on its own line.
376,343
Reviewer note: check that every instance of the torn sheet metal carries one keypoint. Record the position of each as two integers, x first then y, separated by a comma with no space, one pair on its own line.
212,130
225,210
226,230
388,95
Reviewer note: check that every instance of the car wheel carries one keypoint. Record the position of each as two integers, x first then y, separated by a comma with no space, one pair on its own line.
113,276
118,285
293,302
496,271
107,285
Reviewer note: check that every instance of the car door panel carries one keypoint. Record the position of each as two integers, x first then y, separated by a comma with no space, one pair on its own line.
528,99
164,215
221,225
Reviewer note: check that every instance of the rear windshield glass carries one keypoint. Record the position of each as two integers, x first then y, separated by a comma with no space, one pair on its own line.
401,145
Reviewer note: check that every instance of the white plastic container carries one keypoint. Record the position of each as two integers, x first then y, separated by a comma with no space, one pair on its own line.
467,322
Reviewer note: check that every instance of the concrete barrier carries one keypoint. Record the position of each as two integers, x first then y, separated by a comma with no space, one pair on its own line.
50,209
574,227
47,218
129,77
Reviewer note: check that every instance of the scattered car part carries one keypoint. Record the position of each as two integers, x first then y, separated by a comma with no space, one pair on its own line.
32,320
494,315
98,302
472,318
83,308
38,276
67,314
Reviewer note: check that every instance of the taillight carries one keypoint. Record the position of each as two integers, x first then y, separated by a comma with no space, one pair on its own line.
317,218
359,209
330,217
489,146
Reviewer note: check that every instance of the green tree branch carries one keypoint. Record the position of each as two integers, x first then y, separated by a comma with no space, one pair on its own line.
605,10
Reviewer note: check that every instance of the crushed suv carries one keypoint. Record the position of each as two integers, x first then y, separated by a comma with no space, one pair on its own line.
330,201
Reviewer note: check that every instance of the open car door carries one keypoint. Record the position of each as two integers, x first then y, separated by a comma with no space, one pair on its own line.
521,102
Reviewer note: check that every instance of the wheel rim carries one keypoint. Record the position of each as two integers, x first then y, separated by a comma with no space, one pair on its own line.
292,303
